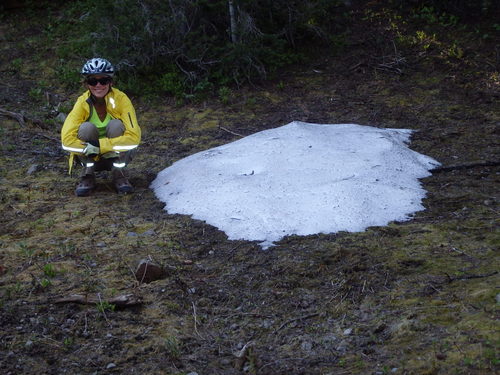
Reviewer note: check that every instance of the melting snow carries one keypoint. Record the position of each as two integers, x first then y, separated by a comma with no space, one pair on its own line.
300,179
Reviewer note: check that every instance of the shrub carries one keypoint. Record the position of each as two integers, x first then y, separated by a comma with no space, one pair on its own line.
187,45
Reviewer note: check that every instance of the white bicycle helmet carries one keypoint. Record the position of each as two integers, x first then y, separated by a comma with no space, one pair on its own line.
98,65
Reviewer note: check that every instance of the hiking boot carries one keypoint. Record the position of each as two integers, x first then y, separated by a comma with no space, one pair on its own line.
122,185
85,186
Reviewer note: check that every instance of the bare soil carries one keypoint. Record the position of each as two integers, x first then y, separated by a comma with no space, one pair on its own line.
415,297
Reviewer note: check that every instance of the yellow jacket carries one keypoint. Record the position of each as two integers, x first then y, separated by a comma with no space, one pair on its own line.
119,106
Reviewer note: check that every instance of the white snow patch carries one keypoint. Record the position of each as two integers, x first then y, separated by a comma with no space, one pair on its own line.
300,179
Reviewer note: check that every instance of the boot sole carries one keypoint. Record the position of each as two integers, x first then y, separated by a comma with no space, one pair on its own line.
83,192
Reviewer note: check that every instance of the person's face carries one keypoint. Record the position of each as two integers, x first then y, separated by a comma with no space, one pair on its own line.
99,85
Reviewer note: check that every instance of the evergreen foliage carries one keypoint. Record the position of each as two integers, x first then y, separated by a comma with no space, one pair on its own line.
187,46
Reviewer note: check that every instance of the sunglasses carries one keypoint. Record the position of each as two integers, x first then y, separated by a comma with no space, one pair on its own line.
103,81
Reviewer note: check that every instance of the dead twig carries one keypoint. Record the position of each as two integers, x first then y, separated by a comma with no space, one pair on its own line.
124,300
103,310
295,320
85,331
459,251
195,318
230,131
231,252
242,355
392,63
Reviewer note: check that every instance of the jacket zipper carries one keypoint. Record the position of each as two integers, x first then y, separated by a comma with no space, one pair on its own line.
130,118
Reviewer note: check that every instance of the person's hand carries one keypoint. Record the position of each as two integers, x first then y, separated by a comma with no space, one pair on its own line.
90,150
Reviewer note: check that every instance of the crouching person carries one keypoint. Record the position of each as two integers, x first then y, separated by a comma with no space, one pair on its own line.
101,130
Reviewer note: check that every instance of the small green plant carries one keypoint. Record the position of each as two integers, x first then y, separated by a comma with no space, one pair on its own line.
36,93
16,64
68,75
89,283
251,101
359,363
454,51
45,283
172,306
67,248
252,362
172,83
13,290
172,346
424,40
491,356
68,342
202,88
38,224
224,94
26,251
468,362
385,370
103,306
49,270
431,16
65,107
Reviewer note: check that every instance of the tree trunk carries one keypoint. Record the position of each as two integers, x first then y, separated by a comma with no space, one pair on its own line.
232,19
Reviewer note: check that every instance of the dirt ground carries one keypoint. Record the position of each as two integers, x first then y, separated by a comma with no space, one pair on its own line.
414,297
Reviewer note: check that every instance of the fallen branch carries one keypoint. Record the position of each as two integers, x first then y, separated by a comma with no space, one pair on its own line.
465,166
124,300
469,277
22,119
49,137
355,66
16,116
